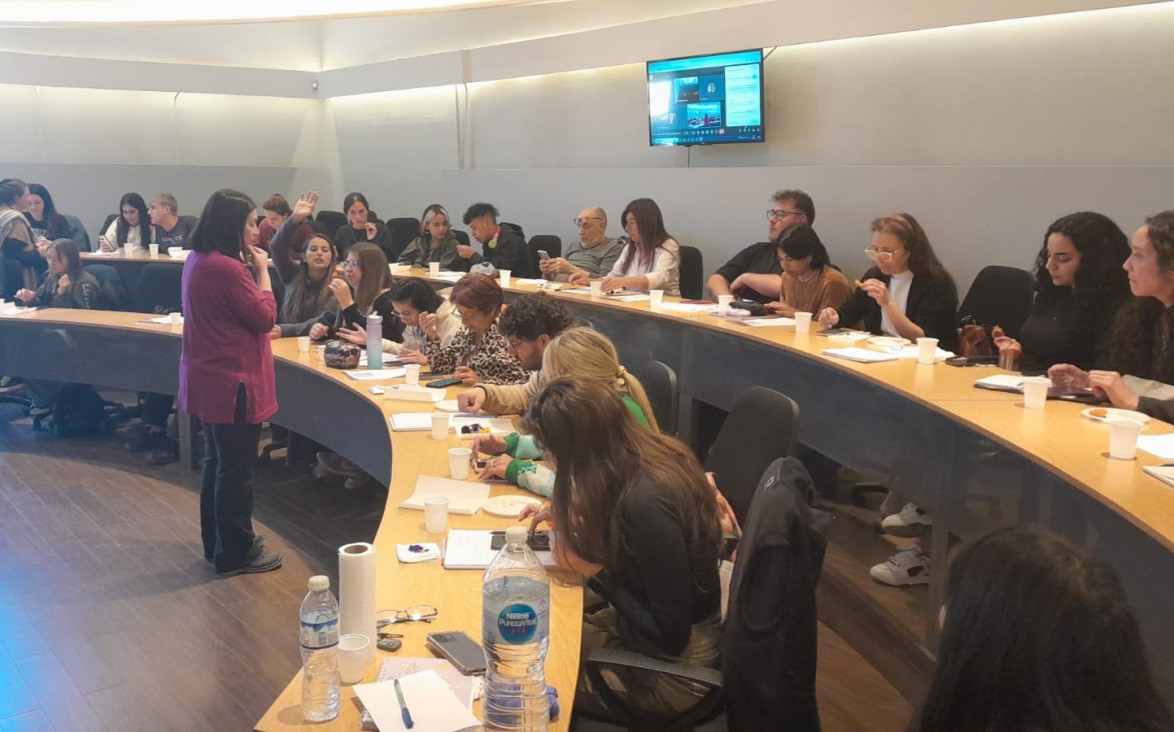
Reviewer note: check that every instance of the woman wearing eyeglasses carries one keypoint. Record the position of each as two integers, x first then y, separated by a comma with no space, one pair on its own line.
651,261
809,281
908,293
478,352
363,291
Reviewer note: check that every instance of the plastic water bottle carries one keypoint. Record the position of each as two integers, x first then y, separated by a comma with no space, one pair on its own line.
374,341
319,640
515,630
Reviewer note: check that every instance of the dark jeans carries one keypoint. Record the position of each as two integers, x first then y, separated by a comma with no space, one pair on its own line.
226,494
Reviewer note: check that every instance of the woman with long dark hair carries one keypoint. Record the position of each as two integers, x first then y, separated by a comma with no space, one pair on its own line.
651,260
307,281
1079,287
363,290
633,513
43,217
226,374
435,243
359,229
1037,635
132,229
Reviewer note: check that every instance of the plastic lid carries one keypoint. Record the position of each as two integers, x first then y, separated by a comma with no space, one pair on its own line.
375,316
319,582
516,534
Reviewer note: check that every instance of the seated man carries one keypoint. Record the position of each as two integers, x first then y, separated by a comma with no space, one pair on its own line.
277,210
503,248
171,229
594,254
529,324
754,273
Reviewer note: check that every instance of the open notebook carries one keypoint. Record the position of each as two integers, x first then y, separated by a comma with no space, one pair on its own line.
463,496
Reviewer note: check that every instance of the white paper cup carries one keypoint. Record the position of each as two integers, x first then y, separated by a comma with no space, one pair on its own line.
434,269
154,249
597,288
802,323
1035,392
411,374
458,462
1123,433
723,303
504,277
176,318
354,653
657,299
440,421
927,348
436,514
303,344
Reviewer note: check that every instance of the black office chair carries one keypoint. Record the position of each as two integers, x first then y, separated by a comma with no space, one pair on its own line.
106,225
113,294
462,237
660,384
331,220
692,273
374,218
770,637
158,289
761,428
999,296
549,243
403,230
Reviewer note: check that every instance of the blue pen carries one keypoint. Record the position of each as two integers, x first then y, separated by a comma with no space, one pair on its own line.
403,706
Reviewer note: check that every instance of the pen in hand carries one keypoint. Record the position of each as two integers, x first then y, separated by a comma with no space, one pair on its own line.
403,706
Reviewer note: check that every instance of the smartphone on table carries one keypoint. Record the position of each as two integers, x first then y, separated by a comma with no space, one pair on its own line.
539,541
460,650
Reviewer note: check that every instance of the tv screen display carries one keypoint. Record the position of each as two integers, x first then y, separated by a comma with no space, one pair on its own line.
702,100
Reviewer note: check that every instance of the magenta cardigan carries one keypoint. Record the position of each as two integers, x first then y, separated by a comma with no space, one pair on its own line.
227,319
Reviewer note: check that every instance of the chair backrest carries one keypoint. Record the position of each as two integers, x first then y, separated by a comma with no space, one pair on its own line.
374,218
106,225
332,220
769,642
760,429
999,296
158,289
660,384
549,243
403,230
692,273
113,294
461,236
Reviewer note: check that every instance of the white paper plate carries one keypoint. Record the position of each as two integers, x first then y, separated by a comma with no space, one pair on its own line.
1094,413
448,405
888,341
508,506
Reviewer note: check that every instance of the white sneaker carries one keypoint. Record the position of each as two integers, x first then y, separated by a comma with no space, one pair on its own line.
907,567
910,521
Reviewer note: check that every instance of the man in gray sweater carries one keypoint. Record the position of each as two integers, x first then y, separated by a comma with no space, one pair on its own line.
594,253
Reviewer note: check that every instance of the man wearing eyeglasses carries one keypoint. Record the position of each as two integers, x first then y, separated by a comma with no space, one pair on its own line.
754,273
593,254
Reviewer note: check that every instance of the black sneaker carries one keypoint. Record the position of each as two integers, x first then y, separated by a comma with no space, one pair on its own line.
258,546
263,563
10,384
166,451
144,439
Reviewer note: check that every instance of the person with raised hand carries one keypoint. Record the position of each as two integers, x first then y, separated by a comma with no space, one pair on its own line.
308,297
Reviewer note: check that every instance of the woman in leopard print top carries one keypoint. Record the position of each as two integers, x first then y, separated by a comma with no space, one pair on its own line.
478,353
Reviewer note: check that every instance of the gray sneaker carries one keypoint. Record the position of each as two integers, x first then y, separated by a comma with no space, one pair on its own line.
263,563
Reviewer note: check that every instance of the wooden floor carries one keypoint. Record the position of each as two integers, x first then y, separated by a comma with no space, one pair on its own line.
111,619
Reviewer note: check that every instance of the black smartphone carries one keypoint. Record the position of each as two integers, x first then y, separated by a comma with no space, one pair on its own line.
461,651
833,331
443,383
539,541
543,255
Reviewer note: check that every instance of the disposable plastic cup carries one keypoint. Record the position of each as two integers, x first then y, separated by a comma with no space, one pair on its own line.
458,462
176,318
440,422
1123,435
434,269
504,276
354,653
436,514
1035,392
303,344
927,349
723,303
597,288
154,249
802,323
1009,359
411,374
657,301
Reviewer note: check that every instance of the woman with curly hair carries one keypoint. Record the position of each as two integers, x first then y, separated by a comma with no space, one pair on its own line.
1079,287
1142,360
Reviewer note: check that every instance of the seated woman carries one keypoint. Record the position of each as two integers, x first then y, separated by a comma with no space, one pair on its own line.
635,515
1141,350
583,352
435,243
809,282
43,217
908,293
308,298
364,291
66,285
358,229
23,261
1037,635
1079,287
424,314
651,260
132,229
478,352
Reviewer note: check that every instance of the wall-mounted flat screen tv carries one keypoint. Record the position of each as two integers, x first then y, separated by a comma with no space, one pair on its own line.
703,100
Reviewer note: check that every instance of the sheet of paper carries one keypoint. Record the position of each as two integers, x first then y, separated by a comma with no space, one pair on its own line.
433,705
406,393
1161,446
377,375
634,297
911,352
681,307
464,497
1001,382
769,322
530,281
863,355
450,277
578,290
472,549
411,421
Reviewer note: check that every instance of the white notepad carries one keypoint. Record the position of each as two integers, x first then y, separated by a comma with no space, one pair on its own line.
473,549
375,375
432,704
405,393
862,355
463,496
411,422
1162,473
1002,382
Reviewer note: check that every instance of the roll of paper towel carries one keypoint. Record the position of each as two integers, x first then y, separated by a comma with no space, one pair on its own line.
356,591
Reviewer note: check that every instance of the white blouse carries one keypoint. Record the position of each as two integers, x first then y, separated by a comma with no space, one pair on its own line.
134,238
663,273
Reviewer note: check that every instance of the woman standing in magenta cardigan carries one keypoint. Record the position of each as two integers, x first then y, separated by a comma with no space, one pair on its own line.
226,374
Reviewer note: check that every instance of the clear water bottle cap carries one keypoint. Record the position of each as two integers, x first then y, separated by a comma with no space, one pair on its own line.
374,318
516,534
319,582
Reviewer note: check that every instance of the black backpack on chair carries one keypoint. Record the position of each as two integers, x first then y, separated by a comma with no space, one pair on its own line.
79,411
